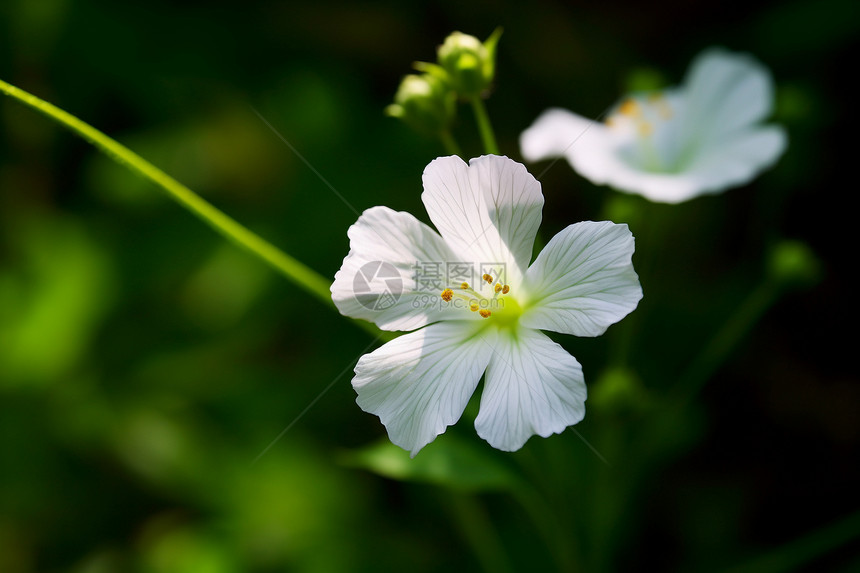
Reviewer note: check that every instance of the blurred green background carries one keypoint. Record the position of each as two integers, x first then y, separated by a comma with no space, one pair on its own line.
145,364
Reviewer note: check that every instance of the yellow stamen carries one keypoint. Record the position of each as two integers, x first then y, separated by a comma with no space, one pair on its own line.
630,108
447,295
498,287
506,289
645,128
464,286
484,313
473,306
488,278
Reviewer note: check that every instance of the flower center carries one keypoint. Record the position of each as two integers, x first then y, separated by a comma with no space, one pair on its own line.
499,306
642,113
645,124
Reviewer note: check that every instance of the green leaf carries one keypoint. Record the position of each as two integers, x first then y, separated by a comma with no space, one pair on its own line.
450,462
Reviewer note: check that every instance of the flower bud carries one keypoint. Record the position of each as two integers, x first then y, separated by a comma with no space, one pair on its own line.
793,264
620,389
424,102
469,64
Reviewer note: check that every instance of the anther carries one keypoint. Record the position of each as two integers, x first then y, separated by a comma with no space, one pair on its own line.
506,289
629,108
464,286
473,306
484,313
645,129
447,295
488,278
498,288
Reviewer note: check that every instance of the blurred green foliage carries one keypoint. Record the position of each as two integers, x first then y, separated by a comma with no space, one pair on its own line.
145,364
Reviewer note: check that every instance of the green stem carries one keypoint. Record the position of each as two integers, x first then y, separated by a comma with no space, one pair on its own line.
726,338
478,530
484,126
804,551
543,516
449,143
297,272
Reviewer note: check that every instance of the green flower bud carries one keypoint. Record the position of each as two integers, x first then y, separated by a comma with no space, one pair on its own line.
793,264
425,103
469,64
619,389
644,80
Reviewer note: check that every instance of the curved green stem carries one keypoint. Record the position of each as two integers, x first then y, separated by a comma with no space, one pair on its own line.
300,274
484,126
805,550
724,341
543,515
479,532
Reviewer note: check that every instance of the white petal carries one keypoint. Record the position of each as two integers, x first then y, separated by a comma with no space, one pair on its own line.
557,133
583,280
419,384
737,159
533,386
657,187
730,161
725,92
377,281
593,150
488,211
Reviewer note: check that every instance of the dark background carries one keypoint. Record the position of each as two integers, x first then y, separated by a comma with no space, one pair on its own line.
145,363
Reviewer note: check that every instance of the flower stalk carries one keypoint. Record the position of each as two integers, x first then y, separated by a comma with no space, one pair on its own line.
488,136
294,270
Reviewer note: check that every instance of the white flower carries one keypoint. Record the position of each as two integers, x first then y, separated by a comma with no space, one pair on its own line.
671,146
487,214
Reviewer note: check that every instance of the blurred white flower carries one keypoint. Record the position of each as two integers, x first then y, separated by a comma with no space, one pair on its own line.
487,214
699,138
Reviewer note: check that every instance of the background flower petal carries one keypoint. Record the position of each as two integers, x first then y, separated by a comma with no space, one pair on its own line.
533,386
725,92
737,159
419,384
595,152
558,132
723,96
489,210
583,280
